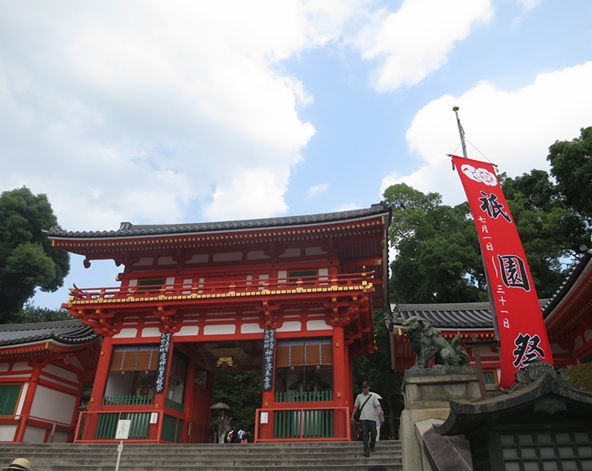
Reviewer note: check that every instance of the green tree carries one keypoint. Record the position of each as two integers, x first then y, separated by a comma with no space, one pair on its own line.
30,314
551,232
27,260
242,392
571,165
438,257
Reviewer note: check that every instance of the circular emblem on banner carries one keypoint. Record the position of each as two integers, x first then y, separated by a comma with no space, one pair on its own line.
479,175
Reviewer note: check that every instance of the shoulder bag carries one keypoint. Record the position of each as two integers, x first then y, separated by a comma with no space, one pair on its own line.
359,411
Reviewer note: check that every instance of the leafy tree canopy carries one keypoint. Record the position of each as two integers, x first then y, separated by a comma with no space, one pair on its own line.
550,230
27,260
571,165
30,314
242,392
438,258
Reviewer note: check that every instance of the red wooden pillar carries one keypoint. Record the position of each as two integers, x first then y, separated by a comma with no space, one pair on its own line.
341,382
19,434
340,371
160,398
96,398
268,401
188,398
83,377
102,374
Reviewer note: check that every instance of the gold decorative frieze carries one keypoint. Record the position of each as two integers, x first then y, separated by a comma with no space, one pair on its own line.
364,287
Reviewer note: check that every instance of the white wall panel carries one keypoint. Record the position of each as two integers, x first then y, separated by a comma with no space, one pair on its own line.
150,332
317,325
126,334
34,434
60,437
219,329
53,405
250,329
7,433
187,330
290,327
60,373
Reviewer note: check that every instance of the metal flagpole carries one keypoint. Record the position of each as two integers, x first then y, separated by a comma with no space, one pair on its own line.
461,132
474,344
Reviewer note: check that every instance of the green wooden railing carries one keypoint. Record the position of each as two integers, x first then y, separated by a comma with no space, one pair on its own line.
292,396
175,405
127,400
171,429
313,423
107,425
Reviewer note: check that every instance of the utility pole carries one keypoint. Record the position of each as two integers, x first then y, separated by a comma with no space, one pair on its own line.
461,132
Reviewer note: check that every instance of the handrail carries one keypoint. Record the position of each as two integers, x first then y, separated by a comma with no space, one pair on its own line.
100,426
342,429
52,425
47,421
224,288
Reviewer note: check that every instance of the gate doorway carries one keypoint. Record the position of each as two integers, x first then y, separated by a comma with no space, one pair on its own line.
227,371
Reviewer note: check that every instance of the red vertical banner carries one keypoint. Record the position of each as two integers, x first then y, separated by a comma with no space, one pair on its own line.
520,324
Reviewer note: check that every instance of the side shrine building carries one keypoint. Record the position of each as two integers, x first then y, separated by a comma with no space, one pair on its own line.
291,297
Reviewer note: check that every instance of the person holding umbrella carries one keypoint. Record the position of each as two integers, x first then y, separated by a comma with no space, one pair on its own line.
223,420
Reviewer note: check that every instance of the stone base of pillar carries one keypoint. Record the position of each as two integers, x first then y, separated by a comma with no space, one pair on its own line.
427,392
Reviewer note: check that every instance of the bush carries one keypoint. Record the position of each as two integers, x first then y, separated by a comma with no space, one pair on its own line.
581,376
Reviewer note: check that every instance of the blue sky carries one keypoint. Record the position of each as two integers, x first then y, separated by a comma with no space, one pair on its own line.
179,111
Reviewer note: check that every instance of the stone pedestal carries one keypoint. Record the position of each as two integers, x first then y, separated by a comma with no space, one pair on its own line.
427,393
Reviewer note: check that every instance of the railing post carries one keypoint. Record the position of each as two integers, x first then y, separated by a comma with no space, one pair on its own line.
160,425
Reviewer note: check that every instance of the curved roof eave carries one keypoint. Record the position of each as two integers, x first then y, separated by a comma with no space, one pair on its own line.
128,229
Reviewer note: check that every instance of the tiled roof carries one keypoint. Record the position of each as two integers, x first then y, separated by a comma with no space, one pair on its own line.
65,332
128,229
571,278
448,316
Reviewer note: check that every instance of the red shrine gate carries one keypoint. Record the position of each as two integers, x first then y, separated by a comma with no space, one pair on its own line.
292,297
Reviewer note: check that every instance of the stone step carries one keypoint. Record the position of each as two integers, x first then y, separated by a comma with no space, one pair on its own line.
333,456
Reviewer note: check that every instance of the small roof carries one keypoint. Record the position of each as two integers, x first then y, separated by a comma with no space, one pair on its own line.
127,229
71,332
577,270
448,315
539,393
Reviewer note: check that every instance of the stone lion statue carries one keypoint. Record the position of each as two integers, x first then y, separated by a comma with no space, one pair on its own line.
427,342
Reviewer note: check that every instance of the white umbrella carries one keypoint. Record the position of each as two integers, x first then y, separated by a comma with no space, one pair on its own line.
220,405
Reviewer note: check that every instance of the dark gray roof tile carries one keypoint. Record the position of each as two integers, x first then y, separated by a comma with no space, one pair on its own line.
571,278
72,332
128,229
448,315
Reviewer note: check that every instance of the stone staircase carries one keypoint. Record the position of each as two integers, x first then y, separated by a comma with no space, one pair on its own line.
333,456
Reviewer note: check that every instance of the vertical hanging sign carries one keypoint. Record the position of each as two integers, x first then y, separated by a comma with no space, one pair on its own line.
163,359
520,325
268,359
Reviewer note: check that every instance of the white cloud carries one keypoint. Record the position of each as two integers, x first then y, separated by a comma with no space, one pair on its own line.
513,129
317,189
133,110
528,5
251,193
417,39
348,207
